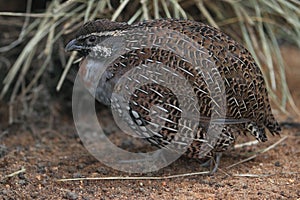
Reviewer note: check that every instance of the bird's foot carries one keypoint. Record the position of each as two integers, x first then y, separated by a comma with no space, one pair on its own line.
213,163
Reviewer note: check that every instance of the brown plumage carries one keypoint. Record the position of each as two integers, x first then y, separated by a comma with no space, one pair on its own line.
247,105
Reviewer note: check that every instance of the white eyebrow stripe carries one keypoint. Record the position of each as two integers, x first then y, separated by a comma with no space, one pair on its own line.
107,33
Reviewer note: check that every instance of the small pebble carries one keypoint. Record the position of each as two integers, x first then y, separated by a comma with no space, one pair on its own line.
41,168
3,151
77,175
4,192
34,195
80,166
21,176
102,170
277,164
22,182
245,186
71,195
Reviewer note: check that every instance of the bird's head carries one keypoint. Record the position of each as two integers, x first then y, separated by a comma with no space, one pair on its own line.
95,38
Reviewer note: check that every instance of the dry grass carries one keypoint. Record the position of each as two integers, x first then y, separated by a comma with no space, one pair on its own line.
259,24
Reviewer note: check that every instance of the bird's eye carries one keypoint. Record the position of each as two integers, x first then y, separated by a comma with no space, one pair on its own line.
91,40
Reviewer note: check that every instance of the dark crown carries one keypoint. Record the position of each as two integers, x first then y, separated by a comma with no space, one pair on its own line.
101,25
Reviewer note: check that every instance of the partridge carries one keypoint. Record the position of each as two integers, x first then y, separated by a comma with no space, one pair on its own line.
246,106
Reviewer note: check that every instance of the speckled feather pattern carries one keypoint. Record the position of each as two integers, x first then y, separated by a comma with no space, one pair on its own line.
245,89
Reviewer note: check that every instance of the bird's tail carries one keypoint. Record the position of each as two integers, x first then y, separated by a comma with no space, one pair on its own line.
272,125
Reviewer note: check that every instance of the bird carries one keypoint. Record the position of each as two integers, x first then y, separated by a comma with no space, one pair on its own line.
247,106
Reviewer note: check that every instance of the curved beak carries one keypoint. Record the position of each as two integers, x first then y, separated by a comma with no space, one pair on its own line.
73,46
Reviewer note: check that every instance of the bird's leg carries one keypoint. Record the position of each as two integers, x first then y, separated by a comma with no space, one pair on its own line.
213,163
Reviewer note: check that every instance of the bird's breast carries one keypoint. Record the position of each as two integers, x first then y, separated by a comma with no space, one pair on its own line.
93,75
